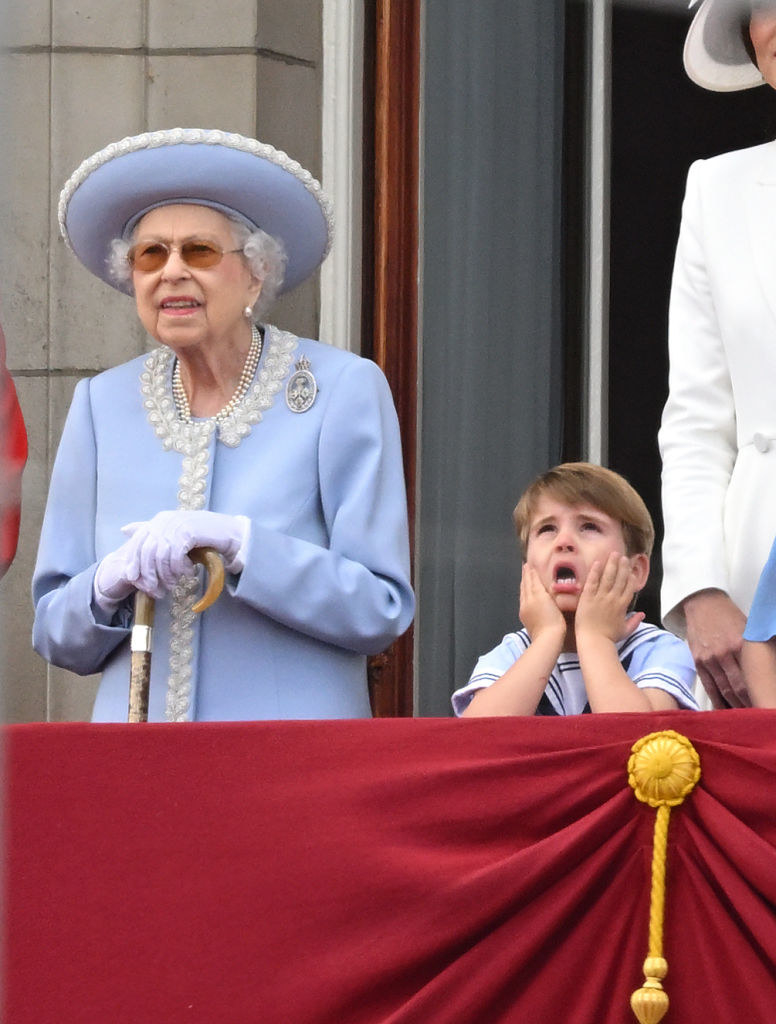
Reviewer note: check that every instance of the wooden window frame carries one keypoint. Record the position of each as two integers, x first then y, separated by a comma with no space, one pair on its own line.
390,295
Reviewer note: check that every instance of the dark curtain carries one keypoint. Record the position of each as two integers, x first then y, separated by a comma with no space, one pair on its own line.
395,871
491,391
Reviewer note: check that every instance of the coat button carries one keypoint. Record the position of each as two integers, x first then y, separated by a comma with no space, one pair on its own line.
761,443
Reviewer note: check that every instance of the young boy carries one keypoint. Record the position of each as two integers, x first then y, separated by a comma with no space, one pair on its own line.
586,537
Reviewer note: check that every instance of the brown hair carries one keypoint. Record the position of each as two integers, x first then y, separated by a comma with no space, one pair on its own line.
582,483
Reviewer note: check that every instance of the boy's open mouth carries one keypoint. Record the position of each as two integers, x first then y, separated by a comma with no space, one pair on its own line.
565,579
563,573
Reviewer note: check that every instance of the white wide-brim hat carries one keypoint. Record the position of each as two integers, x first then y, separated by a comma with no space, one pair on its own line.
111,190
714,53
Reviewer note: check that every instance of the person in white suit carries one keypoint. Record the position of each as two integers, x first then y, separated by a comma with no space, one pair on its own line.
718,433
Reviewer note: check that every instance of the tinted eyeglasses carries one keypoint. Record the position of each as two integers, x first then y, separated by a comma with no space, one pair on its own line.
197,253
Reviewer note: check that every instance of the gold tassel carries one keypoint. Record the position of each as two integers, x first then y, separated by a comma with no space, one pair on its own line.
662,770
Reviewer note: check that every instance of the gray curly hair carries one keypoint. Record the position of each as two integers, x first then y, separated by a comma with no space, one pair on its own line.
265,256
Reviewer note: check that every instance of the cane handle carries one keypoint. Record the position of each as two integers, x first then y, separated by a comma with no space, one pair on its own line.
214,568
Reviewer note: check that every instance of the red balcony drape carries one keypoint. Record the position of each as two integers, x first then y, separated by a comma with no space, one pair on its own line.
382,872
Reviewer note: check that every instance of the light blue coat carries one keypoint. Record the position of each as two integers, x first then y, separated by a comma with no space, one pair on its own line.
326,578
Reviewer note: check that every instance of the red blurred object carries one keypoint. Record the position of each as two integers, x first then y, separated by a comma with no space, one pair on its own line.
13,455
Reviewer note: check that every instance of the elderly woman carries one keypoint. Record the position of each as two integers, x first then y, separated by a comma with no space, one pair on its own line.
280,452
718,435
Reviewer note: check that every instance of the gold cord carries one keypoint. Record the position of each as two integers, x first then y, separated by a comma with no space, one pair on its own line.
662,770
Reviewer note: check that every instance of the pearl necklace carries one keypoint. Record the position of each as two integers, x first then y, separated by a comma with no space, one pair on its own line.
180,397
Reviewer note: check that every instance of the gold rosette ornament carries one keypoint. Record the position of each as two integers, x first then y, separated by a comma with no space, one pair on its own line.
662,770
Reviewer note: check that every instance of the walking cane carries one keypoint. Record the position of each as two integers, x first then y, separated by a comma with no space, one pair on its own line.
140,643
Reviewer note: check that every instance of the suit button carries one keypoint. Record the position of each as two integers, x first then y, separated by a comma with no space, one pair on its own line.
761,443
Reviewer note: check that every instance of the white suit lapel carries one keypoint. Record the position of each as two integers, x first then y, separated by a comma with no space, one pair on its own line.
761,216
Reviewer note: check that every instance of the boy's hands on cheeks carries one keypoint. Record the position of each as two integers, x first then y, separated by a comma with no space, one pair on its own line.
519,690
603,605
601,621
538,611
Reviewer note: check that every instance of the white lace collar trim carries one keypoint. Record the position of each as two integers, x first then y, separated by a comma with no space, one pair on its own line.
174,433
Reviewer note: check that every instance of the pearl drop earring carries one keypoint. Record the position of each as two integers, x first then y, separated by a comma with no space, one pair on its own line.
248,312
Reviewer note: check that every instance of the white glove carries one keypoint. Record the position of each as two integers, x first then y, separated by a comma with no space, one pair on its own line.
123,571
161,545
115,578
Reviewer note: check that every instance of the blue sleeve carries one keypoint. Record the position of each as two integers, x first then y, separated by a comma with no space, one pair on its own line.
65,630
761,624
356,592
665,663
490,667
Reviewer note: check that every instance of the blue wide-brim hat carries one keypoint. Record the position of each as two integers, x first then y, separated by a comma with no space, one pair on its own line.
714,53
111,190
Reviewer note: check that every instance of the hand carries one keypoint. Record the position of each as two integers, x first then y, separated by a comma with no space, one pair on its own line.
116,578
538,611
161,545
715,628
758,663
606,596
124,571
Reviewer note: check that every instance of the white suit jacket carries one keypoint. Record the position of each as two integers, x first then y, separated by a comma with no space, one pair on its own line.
718,434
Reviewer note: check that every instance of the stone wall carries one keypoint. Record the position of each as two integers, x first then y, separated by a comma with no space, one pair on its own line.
73,77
